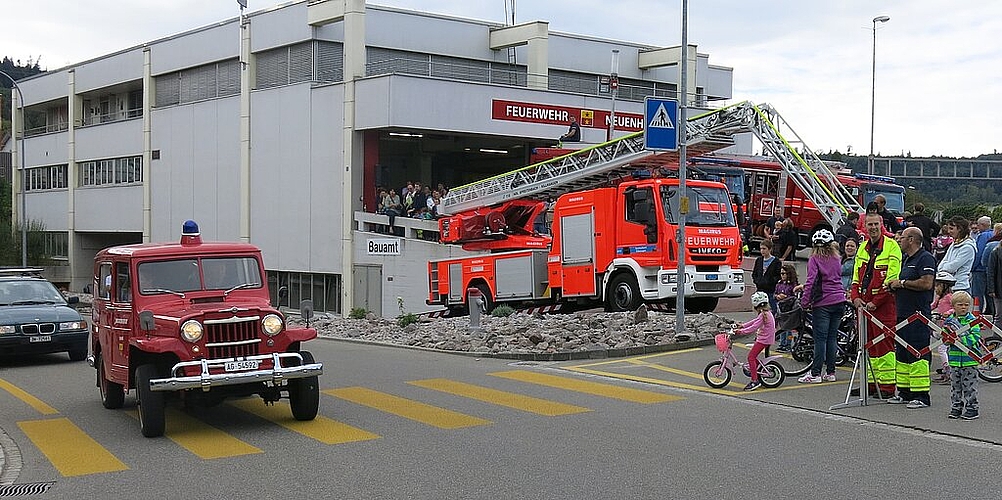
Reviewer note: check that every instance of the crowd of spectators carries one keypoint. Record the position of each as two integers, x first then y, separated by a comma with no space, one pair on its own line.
414,200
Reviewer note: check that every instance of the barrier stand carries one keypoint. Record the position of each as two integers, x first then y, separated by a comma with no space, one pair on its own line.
862,365
983,355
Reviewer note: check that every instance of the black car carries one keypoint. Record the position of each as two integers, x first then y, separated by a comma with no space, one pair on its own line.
35,318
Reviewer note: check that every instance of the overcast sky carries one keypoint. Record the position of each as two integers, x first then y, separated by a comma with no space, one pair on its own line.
939,64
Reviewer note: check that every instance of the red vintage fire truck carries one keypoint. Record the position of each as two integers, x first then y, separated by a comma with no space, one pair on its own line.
194,320
760,183
610,245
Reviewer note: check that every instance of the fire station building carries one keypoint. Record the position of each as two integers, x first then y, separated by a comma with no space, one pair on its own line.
276,127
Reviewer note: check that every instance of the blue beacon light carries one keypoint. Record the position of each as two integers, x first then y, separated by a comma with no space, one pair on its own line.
190,234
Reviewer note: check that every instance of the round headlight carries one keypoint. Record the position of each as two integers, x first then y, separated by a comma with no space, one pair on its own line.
191,330
272,325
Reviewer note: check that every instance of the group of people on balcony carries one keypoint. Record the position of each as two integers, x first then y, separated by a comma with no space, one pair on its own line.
413,200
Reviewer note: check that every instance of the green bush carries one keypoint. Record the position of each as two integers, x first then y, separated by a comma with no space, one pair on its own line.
502,311
358,313
406,319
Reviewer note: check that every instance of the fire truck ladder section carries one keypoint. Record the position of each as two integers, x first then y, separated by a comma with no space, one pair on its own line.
819,184
597,165
590,167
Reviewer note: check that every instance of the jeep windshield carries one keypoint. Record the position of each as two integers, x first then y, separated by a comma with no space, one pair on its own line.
187,275
708,206
29,292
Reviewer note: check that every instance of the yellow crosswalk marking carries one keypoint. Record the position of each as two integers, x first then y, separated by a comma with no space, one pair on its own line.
594,388
30,400
202,439
493,396
413,410
69,449
322,429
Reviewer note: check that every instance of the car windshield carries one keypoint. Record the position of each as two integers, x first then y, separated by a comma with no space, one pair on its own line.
708,206
186,275
895,199
26,292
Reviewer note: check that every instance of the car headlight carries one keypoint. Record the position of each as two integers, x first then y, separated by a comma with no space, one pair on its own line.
5,329
191,330
739,277
272,325
72,325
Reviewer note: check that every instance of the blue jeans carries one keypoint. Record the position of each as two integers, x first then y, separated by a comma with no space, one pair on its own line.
978,289
825,321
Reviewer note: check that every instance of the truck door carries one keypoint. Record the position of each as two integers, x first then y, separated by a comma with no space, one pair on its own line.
105,316
637,227
119,308
577,254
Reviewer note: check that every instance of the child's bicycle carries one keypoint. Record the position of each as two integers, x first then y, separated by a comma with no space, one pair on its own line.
718,373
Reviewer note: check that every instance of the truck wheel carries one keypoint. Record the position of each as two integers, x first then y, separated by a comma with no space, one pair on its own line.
78,353
112,394
697,305
624,293
151,404
304,393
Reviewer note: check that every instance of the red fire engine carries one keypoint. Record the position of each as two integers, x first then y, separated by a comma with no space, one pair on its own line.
759,182
194,320
611,245
616,244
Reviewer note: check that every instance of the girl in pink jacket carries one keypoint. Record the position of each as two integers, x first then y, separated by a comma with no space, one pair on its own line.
765,325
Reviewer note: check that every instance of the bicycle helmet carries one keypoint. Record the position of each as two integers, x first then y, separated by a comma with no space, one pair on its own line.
822,237
759,299
945,277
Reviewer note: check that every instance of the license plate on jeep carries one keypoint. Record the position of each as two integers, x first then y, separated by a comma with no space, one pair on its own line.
40,338
239,366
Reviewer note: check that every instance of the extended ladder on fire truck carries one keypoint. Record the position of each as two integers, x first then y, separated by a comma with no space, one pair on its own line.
584,169
819,184
707,132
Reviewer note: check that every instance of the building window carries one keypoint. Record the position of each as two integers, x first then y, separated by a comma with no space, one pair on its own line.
208,81
323,289
127,170
52,177
56,244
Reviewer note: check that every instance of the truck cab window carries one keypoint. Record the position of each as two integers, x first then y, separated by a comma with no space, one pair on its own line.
640,205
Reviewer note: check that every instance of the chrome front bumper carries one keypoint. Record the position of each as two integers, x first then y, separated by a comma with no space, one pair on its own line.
206,380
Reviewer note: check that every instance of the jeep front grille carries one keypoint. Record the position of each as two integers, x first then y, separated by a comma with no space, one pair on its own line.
231,338
38,328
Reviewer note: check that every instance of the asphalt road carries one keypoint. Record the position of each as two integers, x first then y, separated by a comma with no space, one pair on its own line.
400,423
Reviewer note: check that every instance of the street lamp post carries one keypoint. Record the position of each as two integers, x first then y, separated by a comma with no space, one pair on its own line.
613,89
873,89
24,175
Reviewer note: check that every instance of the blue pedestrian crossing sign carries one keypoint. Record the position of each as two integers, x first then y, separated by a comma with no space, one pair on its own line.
660,117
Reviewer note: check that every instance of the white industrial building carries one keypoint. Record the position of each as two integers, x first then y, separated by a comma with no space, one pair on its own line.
276,129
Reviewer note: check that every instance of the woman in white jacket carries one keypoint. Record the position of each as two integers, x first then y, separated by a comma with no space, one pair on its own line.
959,256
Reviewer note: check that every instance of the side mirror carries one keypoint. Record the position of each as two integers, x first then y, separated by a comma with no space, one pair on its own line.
73,300
306,310
283,292
146,322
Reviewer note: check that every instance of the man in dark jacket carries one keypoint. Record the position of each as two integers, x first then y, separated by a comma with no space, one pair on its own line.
847,231
919,219
890,221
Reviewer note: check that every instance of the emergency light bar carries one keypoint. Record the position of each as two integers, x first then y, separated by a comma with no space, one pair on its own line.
880,178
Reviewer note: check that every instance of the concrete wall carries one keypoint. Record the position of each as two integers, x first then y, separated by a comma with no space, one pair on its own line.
197,175
404,275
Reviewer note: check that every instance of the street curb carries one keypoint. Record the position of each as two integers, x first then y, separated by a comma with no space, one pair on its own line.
542,356
10,459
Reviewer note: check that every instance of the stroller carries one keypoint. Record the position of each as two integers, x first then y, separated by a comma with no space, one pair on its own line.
789,321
